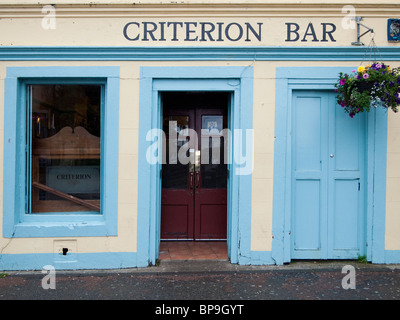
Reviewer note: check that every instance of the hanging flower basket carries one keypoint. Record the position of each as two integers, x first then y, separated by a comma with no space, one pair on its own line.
370,86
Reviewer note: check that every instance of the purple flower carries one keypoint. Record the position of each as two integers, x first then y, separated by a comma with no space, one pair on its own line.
342,82
366,76
378,66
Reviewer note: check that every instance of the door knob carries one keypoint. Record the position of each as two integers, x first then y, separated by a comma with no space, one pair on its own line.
197,161
331,155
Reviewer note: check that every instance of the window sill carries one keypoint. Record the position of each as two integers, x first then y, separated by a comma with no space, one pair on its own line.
61,226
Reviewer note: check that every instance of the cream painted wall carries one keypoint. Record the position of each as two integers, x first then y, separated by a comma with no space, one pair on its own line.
106,30
392,234
262,179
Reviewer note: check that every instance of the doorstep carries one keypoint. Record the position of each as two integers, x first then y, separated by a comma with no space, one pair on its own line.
193,250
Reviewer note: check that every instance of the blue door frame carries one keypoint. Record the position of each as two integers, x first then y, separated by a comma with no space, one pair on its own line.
318,78
238,81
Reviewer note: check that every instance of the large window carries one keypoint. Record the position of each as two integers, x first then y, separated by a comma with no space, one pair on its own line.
61,151
63,148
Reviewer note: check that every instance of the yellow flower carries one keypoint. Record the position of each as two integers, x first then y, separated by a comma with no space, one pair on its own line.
361,69
367,66
388,67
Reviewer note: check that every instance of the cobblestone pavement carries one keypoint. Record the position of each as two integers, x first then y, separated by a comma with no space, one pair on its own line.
209,281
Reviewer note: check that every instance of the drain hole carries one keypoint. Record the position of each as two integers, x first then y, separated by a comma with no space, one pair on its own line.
64,251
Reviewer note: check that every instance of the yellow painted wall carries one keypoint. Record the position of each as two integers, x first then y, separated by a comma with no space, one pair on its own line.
392,234
102,26
108,31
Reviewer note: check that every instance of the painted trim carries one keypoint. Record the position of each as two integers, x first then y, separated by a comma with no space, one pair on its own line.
378,150
261,53
260,258
323,78
239,81
16,223
123,9
76,261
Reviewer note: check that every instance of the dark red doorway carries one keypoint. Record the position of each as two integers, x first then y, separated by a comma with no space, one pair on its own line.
194,177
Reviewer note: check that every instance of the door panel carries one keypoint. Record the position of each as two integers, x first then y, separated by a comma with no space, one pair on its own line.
308,134
176,195
211,180
344,228
309,146
307,220
346,178
327,179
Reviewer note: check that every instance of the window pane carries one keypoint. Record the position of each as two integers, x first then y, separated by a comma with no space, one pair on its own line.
63,136
174,174
214,172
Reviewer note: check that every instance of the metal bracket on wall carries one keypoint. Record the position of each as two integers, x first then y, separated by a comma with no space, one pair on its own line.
358,21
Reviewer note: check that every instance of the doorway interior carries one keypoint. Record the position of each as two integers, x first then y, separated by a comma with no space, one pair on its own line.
194,176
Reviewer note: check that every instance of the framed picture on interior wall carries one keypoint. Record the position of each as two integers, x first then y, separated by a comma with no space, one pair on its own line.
212,124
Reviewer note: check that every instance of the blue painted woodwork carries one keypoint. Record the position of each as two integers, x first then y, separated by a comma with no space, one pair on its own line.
328,217
97,260
315,78
16,223
287,80
196,53
238,81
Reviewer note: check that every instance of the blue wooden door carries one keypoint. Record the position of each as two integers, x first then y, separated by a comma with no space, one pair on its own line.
328,181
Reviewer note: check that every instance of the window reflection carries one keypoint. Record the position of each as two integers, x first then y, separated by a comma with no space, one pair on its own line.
63,134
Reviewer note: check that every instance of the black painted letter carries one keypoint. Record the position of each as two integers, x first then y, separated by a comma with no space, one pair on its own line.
227,35
126,33
289,31
189,31
310,32
257,35
205,32
326,32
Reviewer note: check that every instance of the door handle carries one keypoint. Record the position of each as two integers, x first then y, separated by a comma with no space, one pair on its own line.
197,161
197,179
191,178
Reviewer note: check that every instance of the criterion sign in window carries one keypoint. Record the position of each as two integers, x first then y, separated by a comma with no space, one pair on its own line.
63,134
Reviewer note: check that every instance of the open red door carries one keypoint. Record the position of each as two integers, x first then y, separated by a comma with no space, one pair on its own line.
194,178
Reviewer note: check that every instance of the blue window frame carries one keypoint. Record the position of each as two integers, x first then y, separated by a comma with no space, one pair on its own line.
17,220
